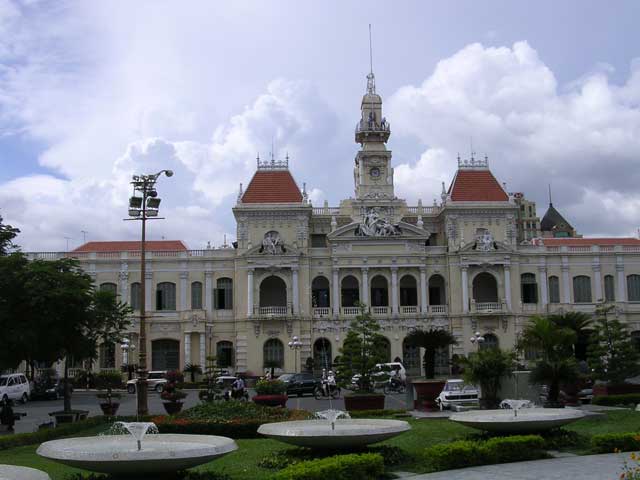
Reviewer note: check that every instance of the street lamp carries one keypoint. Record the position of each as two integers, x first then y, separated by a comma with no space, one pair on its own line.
144,204
477,339
295,345
127,347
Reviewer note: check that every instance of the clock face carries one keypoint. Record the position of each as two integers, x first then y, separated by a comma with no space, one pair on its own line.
374,172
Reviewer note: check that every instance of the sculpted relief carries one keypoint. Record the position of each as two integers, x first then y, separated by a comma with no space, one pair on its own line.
272,244
375,225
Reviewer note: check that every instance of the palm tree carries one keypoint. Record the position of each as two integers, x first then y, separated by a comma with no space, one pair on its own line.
556,364
581,324
192,369
487,368
431,340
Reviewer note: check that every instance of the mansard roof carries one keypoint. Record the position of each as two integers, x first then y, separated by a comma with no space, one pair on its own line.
554,220
277,186
554,242
476,185
126,246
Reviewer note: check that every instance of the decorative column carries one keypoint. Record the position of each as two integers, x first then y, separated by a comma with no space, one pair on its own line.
250,292
208,291
295,288
148,306
465,289
364,295
203,358
124,286
187,348
597,279
183,290
335,301
544,289
424,303
620,294
507,285
566,294
394,291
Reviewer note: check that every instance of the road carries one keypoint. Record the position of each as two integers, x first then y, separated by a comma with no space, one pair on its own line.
38,411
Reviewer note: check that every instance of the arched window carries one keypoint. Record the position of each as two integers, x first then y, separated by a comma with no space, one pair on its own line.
320,293
350,291
633,288
554,289
582,289
135,299
609,289
485,288
273,353
490,341
196,295
109,287
408,291
165,354
322,354
166,296
385,347
379,292
223,294
273,292
411,358
635,338
529,288
224,354
436,290
107,355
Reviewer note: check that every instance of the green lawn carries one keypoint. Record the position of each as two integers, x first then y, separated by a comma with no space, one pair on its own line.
242,464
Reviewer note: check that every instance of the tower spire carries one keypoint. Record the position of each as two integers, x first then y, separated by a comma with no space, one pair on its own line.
371,79
550,202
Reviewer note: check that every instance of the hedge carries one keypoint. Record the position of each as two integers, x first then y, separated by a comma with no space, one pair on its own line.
615,442
466,453
613,400
375,413
234,429
364,466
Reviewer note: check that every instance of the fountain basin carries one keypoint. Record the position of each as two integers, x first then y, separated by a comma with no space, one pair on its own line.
348,433
526,420
11,472
119,454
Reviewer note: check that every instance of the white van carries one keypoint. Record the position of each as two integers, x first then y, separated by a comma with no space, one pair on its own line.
383,368
14,386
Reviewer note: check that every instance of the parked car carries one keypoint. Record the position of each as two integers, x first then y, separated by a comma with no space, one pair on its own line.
49,388
456,392
299,383
14,386
156,380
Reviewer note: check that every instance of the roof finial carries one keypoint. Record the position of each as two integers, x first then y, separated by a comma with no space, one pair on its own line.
371,79
370,52
550,202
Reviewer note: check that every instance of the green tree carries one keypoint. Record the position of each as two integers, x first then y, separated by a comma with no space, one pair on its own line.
192,369
556,364
612,355
581,324
7,234
362,349
431,340
486,368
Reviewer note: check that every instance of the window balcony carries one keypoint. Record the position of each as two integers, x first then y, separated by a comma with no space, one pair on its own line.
321,312
273,311
349,311
409,309
380,311
437,309
488,307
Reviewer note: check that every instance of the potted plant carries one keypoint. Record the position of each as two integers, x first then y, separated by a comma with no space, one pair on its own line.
171,394
108,381
431,340
363,348
486,368
271,393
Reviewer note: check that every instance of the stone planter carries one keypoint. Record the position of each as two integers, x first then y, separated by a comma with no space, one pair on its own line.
364,402
271,400
109,409
426,393
172,407
621,389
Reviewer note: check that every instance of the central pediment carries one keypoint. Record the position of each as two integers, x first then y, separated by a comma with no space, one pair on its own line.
401,231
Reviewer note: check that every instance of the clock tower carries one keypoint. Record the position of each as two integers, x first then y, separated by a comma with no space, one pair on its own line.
373,175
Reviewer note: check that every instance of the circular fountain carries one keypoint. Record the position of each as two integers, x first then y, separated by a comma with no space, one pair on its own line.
334,429
135,451
11,472
517,416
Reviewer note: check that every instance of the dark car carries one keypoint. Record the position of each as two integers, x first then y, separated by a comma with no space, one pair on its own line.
48,389
299,383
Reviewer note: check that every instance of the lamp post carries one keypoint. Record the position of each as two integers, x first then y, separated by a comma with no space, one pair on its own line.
127,347
295,345
144,207
477,339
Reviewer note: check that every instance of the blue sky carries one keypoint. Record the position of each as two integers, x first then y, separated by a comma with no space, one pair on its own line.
91,92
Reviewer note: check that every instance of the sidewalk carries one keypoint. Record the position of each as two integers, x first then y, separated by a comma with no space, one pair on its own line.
589,467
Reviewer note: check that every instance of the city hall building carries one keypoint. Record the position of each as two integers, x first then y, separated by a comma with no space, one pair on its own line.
478,260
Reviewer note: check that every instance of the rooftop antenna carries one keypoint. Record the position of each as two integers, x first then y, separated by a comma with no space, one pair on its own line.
84,236
550,202
371,80
272,149
67,239
370,51
471,147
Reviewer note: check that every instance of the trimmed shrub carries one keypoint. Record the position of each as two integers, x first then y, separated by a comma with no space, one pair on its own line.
615,442
271,387
466,453
613,400
376,413
365,466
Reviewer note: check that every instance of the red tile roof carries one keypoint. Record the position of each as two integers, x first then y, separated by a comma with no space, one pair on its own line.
553,242
272,187
152,245
476,186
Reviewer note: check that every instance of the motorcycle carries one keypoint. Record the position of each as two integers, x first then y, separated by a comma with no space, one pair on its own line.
240,395
326,390
394,386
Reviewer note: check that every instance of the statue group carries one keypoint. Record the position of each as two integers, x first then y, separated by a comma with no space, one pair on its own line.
373,225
